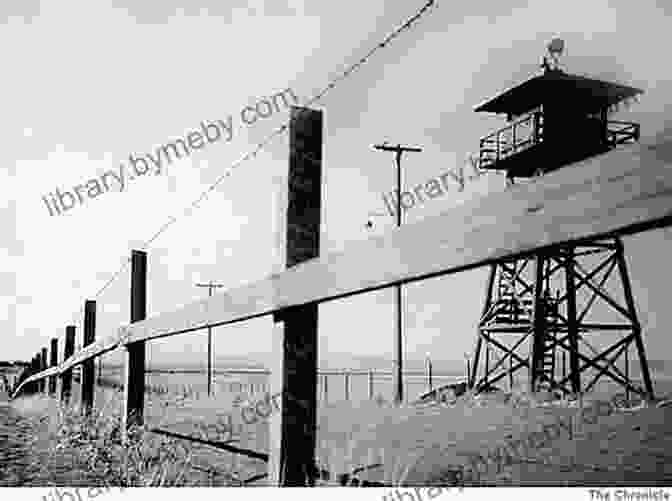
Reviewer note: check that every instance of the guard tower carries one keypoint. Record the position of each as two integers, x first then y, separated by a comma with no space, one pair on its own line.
546,309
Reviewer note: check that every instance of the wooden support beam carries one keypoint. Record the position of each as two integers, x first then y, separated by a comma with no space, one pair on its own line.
294,372
43,367
486,306
572,322
34,385
627,372
326,390
637,328
487,362
593,363
54,363
347,385
294,436
610,362
539,323
30,387
371,383
88,367
134,373
508,352
398,345
66,382
510,358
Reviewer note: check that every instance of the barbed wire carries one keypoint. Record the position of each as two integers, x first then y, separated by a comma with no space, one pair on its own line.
277,132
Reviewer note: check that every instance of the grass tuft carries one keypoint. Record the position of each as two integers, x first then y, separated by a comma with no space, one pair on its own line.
94,448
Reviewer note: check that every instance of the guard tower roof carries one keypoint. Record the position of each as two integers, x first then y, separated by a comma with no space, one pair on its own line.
587,94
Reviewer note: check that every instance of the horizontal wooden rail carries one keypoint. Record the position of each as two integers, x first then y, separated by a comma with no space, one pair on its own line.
93,350
623,191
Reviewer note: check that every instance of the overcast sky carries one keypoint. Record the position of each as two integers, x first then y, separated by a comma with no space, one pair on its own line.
86,83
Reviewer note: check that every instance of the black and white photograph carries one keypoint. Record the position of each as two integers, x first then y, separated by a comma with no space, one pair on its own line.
421,247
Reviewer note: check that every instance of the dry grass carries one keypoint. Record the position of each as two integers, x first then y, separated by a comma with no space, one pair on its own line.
374,443
76,448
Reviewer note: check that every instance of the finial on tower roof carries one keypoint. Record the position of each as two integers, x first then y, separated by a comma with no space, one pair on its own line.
555,48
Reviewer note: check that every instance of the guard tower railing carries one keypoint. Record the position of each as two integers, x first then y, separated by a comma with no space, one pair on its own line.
622,132
528,131
520,135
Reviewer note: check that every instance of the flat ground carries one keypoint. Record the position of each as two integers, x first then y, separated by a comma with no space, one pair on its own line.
421,445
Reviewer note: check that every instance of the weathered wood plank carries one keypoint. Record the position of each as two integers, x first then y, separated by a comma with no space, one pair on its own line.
66,382
88,367
96,349
44,365
619,192
53,354
294,368
134,366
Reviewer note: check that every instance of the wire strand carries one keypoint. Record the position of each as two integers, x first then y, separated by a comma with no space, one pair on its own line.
277,132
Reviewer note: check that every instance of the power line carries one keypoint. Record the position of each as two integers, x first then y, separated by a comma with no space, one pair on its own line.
253,153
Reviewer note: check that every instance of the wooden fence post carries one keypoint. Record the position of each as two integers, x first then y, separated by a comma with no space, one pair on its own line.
35,366
35,386
66,381
43,367
510,374
88,366
347,385
294,369
54,363
134,363
326,389
370,385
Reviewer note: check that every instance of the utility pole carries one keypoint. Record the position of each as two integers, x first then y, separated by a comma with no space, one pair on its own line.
210,287
429,372
398,151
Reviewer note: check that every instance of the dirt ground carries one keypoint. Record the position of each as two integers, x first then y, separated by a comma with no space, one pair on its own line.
426,445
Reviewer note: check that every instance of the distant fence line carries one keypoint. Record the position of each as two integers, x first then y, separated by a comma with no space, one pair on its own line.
251,387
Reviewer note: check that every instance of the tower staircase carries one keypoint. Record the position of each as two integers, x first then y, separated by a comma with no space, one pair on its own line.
547,372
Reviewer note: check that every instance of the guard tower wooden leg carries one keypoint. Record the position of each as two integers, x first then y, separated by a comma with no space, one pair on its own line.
539,324
572,324
567,315
637,328
486,306
564,318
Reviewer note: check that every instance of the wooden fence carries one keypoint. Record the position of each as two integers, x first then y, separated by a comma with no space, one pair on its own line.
623,191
